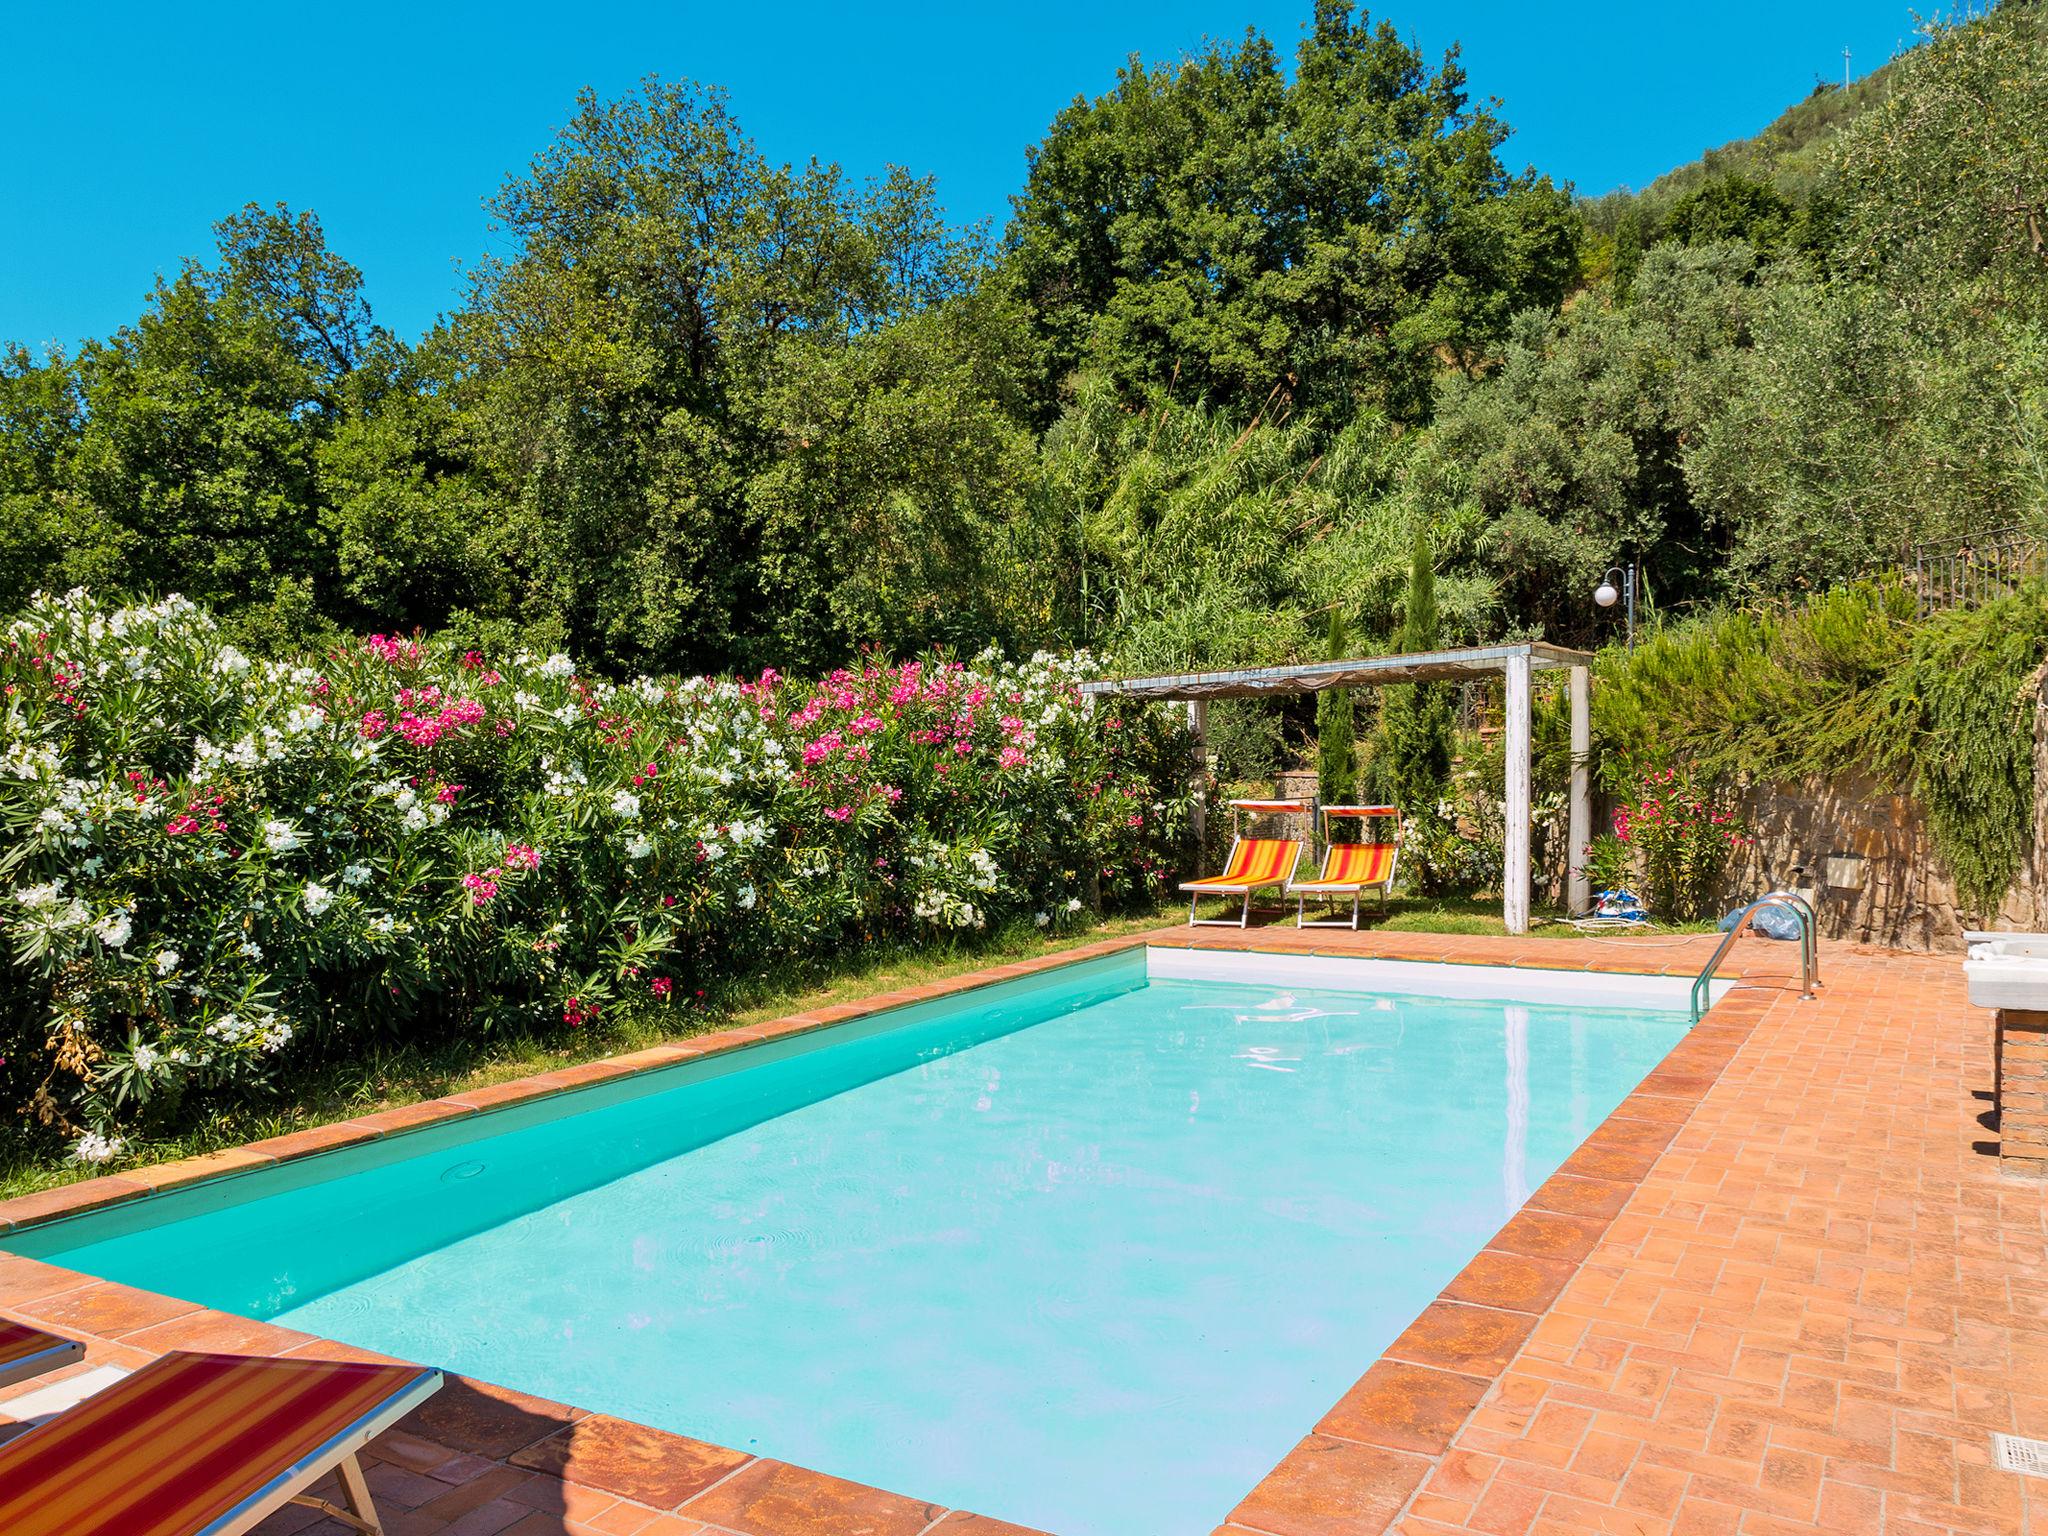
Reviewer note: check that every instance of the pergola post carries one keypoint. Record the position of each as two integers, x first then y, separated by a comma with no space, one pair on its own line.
1198,725
1578,898
1514,885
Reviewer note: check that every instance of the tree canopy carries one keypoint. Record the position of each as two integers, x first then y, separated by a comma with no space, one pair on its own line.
1253,322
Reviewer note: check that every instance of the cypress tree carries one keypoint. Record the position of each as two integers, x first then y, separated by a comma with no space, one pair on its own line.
1412,760
1336,763
1628,253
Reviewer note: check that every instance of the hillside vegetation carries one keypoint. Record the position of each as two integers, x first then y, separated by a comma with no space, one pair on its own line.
1247,330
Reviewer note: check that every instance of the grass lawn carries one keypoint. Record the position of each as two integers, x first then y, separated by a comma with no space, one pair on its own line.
405,1075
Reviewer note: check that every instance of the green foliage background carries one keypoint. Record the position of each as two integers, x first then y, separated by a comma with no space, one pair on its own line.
1249,328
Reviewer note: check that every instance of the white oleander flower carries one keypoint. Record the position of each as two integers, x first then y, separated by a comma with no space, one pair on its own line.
95,1148
318,898
747,897
281,837
115,929
639,846
167,961
356,874
626,805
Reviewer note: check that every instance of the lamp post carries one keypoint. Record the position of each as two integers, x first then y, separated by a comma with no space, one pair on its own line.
1606,595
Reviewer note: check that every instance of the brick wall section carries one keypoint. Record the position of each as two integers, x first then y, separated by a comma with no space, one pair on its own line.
2023,1090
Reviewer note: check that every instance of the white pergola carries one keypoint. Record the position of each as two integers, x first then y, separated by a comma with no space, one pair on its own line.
1516,662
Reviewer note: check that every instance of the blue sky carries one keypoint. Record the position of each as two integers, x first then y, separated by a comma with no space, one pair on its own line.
129,128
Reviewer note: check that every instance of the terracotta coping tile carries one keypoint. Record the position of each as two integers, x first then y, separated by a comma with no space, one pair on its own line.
105,1308
1456,1336
1329,1487
1627,1165
334,1349
1651,1106
519,1091
410,1117
585,1073
221,1333
84,1195
24,1280
1405,1407
1511,1280
1549,1235
317,1138
191,1170
631,1460
1616,1134
961,1523
485,1419
772,1498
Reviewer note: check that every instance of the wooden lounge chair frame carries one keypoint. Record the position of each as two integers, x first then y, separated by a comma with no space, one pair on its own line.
1333,890
1223,885
384,1403
27,1352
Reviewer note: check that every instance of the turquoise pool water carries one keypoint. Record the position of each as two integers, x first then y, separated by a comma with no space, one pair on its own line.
1086,1253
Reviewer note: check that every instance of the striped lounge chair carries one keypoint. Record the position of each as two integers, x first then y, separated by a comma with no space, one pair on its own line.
26,1352
1255,864
1350,869
205,1445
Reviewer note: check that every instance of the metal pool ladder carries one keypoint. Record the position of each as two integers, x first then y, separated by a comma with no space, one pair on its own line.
1809,942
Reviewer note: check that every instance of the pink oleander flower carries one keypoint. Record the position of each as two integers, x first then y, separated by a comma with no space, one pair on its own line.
661,986
521,856
373,725
420,732
1012,757
482,887
839,813
447,792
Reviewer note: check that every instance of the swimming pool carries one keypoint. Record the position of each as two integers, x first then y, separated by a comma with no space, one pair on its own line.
1086,1251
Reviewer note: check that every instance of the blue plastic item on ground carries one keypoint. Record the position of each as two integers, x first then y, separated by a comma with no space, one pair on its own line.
1771,922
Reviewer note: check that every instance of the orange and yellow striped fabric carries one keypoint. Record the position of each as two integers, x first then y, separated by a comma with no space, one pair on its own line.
1357,864
1254,861
182,1442
19,1344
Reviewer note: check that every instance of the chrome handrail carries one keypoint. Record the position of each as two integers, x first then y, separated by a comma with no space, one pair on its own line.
1809,932
1809,942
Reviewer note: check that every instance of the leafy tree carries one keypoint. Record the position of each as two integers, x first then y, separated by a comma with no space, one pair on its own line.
1574,451
713,384
1244,238
1734,207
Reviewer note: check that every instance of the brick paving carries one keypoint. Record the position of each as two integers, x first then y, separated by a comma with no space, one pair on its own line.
1784,1289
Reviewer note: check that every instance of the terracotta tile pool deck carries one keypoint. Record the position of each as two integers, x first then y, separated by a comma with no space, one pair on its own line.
1784,1288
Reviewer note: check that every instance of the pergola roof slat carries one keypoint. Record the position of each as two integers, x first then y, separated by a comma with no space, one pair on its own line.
1313,677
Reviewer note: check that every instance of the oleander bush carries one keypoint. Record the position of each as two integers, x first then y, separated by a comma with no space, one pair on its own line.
222,865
